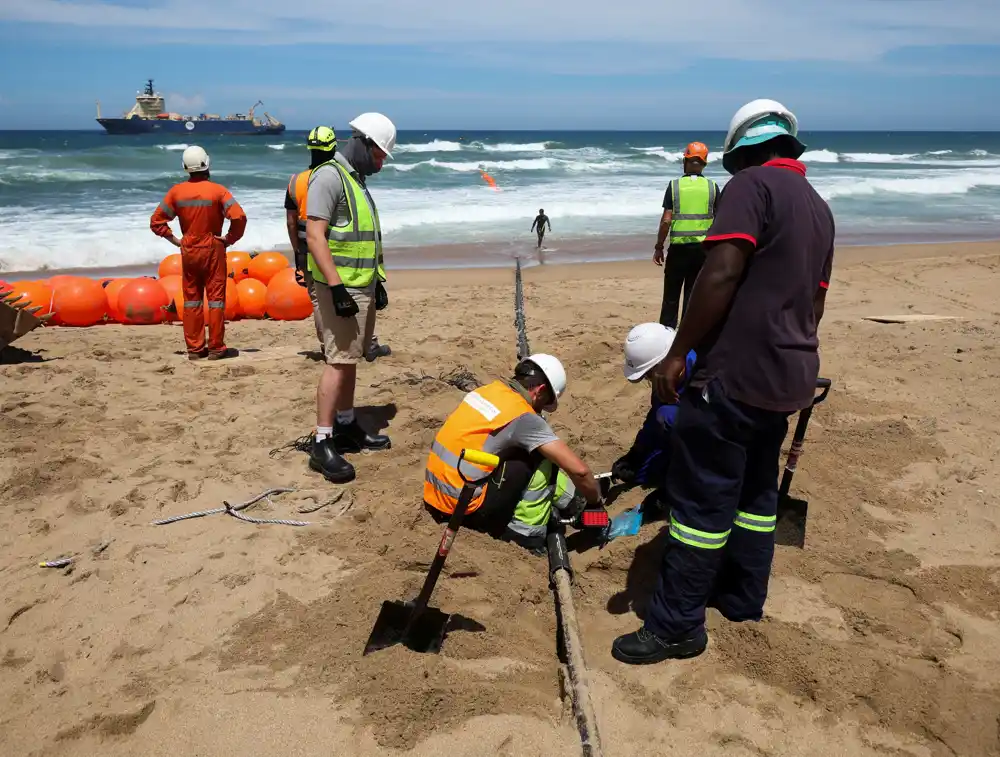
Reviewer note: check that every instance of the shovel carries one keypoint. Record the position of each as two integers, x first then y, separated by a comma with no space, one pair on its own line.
414,624
792,512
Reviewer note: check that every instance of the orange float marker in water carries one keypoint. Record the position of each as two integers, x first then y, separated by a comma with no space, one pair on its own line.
489,180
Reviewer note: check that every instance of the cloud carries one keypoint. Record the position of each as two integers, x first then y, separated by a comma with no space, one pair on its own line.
650,33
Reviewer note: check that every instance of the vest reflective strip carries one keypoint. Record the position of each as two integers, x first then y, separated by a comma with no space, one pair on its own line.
525,530
350,246
445,488
167,210
449,458
761,523
695,538
195,203
699,231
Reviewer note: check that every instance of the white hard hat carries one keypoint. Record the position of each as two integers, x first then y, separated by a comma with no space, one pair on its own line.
378,129
555,374
759,121
645,347
195,159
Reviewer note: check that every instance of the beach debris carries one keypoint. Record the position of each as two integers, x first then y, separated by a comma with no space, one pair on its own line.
101,547
910,318
332,501
235,511
61,562
461,378
302,444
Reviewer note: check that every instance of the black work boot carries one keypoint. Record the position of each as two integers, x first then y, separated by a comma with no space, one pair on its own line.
643,647
350,437
325,459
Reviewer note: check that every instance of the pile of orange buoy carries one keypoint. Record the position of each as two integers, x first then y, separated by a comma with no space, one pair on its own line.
260,285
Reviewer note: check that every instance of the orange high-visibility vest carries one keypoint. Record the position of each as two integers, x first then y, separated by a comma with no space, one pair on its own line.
483,411
298,186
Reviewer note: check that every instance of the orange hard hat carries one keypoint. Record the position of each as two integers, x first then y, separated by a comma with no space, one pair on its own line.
697,150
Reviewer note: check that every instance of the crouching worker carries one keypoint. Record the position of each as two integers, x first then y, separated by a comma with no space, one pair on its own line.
645,464
537,471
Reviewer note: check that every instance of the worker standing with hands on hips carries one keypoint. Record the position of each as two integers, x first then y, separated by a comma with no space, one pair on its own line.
688,208
201,205
345,259
753,319
322,144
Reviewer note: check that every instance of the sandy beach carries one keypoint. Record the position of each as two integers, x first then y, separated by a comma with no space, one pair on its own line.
213,636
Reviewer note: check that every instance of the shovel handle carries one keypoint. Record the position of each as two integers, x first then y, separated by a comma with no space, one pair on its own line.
799,437
454,523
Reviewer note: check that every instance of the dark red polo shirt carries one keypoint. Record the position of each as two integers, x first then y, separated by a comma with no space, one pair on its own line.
764,352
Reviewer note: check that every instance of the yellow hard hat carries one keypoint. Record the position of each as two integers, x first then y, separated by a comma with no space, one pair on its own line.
322,138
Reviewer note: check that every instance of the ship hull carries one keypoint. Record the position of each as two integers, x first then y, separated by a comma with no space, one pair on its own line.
193,128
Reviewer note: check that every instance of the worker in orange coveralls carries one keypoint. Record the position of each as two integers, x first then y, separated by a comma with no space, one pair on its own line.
201,205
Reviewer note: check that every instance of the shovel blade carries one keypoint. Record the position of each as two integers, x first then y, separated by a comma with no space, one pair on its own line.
395,624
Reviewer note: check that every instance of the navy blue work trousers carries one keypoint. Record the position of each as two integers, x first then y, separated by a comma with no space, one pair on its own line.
722,486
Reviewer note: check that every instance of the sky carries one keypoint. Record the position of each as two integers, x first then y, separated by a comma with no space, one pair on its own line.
544,64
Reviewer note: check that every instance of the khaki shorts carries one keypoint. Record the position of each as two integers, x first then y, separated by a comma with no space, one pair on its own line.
346,339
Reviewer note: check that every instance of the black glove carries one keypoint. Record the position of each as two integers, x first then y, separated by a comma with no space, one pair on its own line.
624,470
381,297
343,303
301,266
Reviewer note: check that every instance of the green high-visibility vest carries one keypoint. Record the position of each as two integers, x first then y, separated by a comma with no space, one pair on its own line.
356,244
693,200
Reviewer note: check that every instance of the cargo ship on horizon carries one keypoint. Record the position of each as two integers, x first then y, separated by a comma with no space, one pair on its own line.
149,116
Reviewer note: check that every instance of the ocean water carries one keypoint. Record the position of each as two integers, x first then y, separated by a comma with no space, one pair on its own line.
83,199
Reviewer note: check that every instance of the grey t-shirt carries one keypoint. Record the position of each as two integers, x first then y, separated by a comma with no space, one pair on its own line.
326,198
528,432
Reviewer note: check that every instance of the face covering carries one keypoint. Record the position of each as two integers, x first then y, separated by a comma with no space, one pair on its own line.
359,155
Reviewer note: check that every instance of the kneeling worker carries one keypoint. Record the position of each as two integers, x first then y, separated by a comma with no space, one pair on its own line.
645,464
537,470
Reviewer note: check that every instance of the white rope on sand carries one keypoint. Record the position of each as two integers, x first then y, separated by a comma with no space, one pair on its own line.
234,510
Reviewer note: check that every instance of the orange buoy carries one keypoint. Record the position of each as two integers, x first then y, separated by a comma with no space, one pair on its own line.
286,300
141,301
33,294
172,286
5,287
238,266
286,275
266,264
111,292
252,297
79,302
233,309
170,266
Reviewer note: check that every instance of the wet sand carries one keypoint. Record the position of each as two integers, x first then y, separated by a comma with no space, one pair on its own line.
217,636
